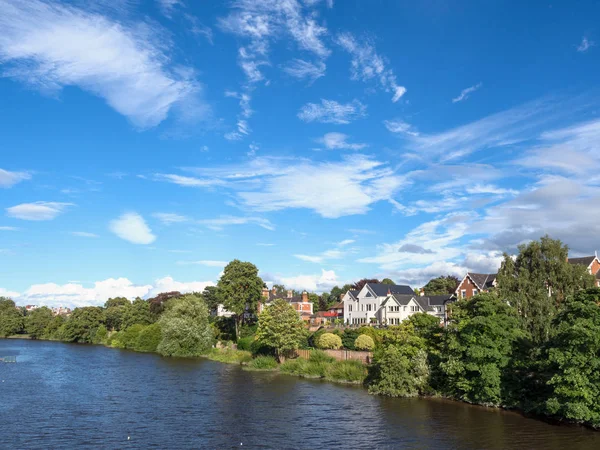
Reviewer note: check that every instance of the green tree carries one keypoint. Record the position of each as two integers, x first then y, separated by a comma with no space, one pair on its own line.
137,313
11,318
37,321
280,327
53,327
387,281
330,341
537,281
441,285
239,290
573,354
185,328
211,297
477,349
158,303
399,371
364,342
149,338
116,301
83,324
116,309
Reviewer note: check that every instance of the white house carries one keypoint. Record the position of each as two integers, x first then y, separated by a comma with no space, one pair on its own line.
386,304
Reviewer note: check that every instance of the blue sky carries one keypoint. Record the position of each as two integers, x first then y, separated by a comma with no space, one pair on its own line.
146,143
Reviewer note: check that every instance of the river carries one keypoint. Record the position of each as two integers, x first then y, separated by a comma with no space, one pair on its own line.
66,396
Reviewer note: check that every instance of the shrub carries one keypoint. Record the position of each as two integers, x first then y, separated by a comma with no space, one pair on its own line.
294,366
263,363
101,335
258,348
364,342
400,371
347,371
229,356
329,341
129,336
245,343
317,356
349,338
149,338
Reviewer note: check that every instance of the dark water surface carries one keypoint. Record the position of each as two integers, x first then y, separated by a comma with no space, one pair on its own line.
66,396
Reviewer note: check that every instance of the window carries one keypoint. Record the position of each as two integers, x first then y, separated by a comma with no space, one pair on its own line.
368,294
405,308
349,308
463,293
474,291
362,307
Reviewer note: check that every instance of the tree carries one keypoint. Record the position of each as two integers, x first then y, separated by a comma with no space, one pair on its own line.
37,321
573,354
399,371
185,328
158,303
115,312
441,285
83,324
137,313
117,301
280,327
361,283
211,297
11,318
364,342
239,290
315,300
387,281
149,338
477,349
329,341
537,281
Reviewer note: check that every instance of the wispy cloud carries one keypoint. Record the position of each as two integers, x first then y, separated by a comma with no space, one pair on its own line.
50,46
221,222
305,70
312,282
5,228
366,64
84,234
168,6
330,111
170,218
187,181
464,94
400,126
132,227
585,45
37,211
9,179
339,141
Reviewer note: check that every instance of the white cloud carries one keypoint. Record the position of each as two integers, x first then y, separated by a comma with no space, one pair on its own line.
464,94
84,234
399,126
298,68
366,64
4,228
187,181
265,244
50,46
221,222
312,283
330,111
74,294
336,141
37,210
346,242
132,227
167,6
170,218
9,179
207,263
585,45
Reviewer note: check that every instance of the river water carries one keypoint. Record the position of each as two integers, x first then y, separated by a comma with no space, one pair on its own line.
67,396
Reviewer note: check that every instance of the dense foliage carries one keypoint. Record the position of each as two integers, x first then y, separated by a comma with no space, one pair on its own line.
280,327
364,342
441,285
11,318
330,341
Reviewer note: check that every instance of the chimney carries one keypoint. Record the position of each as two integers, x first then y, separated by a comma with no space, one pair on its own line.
273,290
422,293
342,296
265,293
289,294
304,297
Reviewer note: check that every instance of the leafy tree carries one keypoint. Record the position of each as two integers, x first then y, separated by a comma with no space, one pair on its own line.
210,297
185,328
240,289
37,321
441,285
399,371
387,281
330,341
574,360
158,303
137,313
117,301
537,281
364,342
323,304
53,327
149,338
361,283
280,327
101,335
477,349
349,337
115,313
11,318
83,324
315,300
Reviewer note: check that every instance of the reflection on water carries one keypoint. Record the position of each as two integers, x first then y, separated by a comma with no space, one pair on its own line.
63,396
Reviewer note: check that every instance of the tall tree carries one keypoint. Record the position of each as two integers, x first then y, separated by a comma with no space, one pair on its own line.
441,285
83,324
11,318
387,281
117,301
137,313
239,290
361,283
158,303
537,281
280,327
37,321
211,298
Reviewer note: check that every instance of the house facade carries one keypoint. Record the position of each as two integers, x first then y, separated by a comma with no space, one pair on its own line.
300,303
592,263
475,283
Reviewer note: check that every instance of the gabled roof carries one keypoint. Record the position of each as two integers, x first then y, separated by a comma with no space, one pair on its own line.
339,305
584,260
402,299
381,290
439,300
483,280
353,294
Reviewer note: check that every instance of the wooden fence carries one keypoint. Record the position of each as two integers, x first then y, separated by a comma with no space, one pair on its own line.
341,355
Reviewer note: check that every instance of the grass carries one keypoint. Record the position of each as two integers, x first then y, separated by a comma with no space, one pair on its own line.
349,371
263,363
229,356
320,365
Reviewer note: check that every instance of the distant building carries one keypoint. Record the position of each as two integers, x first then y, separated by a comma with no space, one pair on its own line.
592,263
61,311
30,307
475,283
221,311
300,303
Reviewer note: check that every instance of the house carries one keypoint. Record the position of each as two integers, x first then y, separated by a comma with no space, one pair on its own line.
221,311
335,312
591,262
475,283
361,307
300,303
398,307
30,307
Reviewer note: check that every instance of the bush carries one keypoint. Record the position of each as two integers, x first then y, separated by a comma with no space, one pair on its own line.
129,336
245,343
263,363
148,338
229,356
349,338
347,371
364,342
317,356
330,341
101,335
294,366
400,371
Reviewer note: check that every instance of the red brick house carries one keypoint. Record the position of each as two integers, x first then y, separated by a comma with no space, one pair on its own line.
475,283
300,303
592,263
